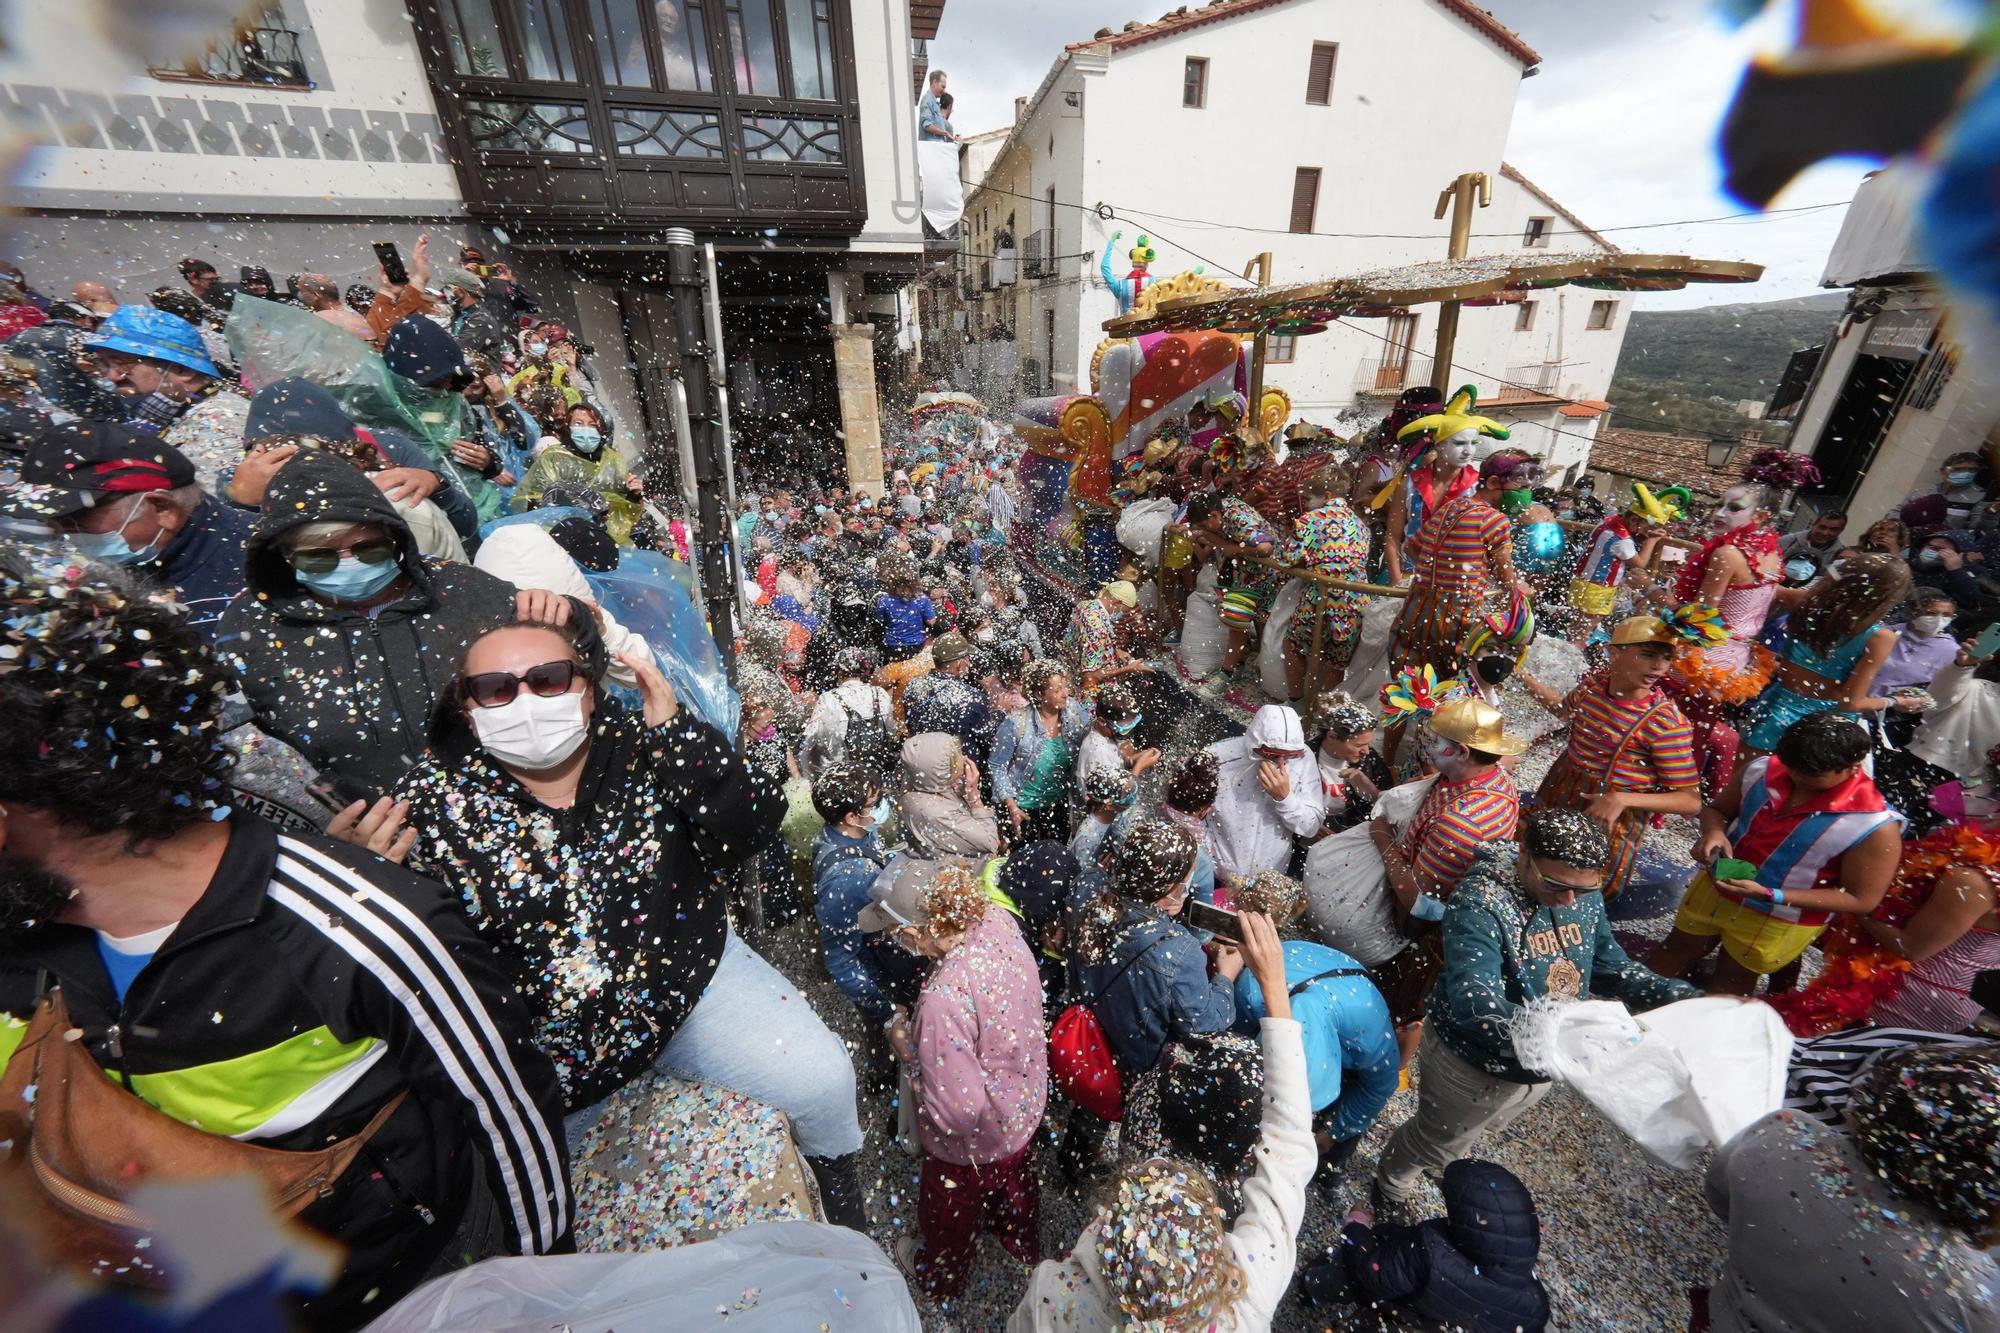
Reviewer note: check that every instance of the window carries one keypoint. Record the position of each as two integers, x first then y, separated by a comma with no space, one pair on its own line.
1281,348
1602,314
260,49
1536,237
1194,83
756,51
1524,316
809,39
1305,198
1319,74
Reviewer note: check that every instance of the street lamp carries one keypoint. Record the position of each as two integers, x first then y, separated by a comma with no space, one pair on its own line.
1720,450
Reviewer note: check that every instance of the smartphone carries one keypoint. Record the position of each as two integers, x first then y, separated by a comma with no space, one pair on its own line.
1205,916
1988,642
392,263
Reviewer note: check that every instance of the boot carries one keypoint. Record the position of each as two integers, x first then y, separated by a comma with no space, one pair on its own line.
840,1191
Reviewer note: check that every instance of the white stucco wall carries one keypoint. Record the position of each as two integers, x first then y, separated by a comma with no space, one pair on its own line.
888,127
365,142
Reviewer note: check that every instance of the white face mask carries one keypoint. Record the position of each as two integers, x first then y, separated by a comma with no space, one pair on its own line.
1925,626
532,733
1460,450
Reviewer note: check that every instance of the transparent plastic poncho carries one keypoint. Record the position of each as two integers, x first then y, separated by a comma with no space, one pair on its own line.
271,341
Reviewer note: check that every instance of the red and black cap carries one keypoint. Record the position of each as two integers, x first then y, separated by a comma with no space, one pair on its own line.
81,464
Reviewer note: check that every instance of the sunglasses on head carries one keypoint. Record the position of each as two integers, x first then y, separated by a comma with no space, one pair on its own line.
496,689
323,559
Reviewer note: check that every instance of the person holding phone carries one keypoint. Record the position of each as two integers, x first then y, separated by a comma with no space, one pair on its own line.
401,292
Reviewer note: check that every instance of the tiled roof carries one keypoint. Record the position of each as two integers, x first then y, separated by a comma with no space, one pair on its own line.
1585,407
1661,458
1196,16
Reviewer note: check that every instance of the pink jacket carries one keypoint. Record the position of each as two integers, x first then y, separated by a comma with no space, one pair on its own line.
982,1070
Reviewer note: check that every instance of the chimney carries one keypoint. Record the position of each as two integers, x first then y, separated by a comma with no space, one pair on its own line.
1020,109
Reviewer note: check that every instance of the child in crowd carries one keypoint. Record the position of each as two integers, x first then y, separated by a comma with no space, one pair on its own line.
1471,1270
1109,798
905,612
1107,743
978,1061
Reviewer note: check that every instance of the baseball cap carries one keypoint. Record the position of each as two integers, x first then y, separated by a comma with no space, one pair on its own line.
949,648
458,277
81,464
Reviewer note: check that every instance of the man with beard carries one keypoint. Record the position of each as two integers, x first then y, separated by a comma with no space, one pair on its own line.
279,993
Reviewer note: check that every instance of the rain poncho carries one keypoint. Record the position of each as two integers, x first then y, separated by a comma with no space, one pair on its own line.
272,341
556,466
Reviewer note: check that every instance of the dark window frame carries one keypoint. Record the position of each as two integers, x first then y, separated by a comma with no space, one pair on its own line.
1194,79
1319,87
1304,200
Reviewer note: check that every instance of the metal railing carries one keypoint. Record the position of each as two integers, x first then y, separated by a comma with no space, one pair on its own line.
1393,373
1038,256
266,53
1524,382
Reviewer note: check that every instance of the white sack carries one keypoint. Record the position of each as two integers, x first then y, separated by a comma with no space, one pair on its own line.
1140,525
1271,649
774,1277
1677,1079
1348,900
1203,640
1368,672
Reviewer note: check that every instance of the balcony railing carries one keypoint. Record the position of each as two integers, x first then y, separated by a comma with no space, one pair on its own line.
1392,373
1541,380
1038,261
262,52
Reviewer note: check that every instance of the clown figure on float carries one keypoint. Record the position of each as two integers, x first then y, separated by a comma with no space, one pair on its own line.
1441,463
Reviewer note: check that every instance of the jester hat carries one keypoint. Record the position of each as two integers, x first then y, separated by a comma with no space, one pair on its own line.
1455,418
1513,631
1414,692
1660,507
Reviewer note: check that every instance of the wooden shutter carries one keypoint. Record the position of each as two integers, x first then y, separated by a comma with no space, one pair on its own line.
1305,198
1319,76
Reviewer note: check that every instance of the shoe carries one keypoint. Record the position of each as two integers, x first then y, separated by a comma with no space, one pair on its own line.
840,1193
1388,1211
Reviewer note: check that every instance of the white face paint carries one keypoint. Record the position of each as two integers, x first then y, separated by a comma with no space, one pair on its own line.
1738,508
1460,450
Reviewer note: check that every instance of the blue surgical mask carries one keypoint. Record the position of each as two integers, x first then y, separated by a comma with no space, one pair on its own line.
880,814
111,547
585,439
351,580
1127,727
1800,571
538,350
1961,478
1927,556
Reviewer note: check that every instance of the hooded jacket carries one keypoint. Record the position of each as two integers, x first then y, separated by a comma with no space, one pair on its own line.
352,690
423,351
1471,1270
1250,831
295,406
936,817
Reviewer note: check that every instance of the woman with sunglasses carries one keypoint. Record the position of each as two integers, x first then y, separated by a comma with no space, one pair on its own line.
345,636
589,844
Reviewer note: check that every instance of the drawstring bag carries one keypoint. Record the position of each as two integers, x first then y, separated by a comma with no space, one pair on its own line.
1080,1063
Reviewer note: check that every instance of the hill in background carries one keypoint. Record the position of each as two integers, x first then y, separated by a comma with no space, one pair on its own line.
1687,369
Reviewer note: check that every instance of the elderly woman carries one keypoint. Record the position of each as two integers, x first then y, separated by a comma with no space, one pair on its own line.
589,845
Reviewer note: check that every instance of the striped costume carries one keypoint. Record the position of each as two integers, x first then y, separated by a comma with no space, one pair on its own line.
1454,821
1330,540
1638,745
1796,848
1459,562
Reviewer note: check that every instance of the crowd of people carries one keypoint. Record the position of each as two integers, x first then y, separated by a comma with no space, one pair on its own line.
359,817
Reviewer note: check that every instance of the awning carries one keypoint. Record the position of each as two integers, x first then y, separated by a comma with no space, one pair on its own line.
1308,307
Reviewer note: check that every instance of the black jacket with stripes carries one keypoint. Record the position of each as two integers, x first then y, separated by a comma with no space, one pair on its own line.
299,933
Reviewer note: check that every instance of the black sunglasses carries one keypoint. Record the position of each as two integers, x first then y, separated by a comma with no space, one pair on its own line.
496,689
323,559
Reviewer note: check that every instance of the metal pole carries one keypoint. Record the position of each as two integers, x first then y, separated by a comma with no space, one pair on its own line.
718,370
684,449
703,453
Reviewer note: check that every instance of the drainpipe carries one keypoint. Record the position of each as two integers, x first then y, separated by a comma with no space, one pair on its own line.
704,448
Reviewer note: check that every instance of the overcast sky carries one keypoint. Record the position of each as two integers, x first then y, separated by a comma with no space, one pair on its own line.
1619,124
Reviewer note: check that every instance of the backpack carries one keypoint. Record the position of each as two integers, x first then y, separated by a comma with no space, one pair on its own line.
869,740
1080,1063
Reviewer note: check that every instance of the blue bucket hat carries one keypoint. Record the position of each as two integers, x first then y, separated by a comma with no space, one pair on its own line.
140,330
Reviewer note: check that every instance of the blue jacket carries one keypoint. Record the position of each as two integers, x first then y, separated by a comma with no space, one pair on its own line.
204,562
1351,1053
954,705
843,870
1165,995
1471,1270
